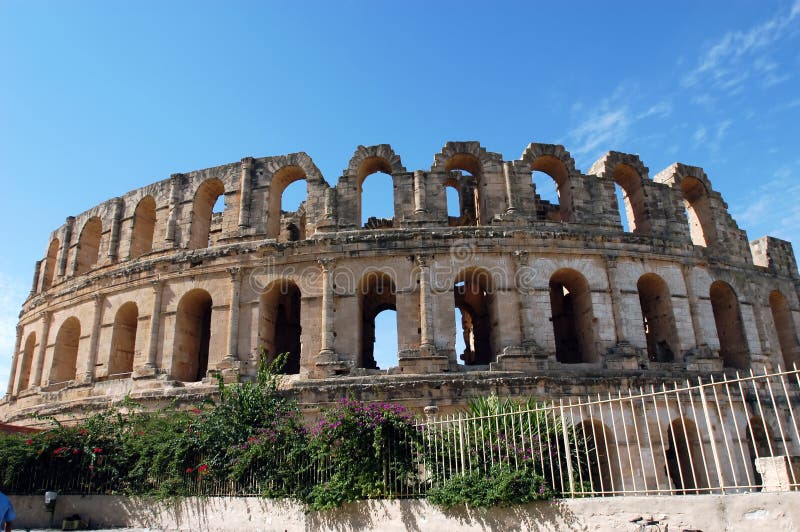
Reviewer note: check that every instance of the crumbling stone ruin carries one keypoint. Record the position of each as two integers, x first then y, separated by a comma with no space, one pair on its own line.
152,293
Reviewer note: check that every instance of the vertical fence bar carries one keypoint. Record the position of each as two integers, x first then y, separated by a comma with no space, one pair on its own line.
586,445
616,450
674,437
627,439
780,425
590,408
577,450
715,455
638,442
699,435
566,446
763,417
649,440
461,443
689,450
791,414
723,424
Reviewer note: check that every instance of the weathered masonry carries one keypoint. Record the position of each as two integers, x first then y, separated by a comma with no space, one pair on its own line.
151,293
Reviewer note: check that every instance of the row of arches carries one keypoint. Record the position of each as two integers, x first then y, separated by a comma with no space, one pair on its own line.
476,315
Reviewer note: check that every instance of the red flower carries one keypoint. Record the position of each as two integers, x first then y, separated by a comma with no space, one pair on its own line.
74,451
195,410
189,469
84,431
97,450
28,442
203,469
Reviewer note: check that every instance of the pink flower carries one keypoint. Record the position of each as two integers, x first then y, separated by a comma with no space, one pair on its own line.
189,469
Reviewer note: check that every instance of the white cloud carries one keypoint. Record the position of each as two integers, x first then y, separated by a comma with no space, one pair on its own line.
740,54
700,135
756,211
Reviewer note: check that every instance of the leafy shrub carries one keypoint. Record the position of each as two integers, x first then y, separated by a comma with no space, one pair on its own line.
502,485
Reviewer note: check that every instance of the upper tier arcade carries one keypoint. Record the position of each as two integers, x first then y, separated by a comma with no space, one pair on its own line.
150,293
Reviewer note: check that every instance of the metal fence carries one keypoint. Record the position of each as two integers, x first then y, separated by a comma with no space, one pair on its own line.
720,435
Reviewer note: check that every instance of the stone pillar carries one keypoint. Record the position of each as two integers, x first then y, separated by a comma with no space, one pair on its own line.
326,351
233,316
420,206
616,301
12,379
699,334
174,188
88,370
245,187
427,344
755,298
40,353
36,274
116,222
508,171
155,328
520,265
62,260
623,355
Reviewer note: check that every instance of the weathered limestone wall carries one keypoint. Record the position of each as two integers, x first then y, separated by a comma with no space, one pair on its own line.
732,513
155,292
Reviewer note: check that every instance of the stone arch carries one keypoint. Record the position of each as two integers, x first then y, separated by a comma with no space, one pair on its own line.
65,352
50,263
281,179
603,462
376,294
192,336
202,210
279,329
698,208
685,457
88,249
733,346
473,158
474,297
26,363
144,224
658,319
370,159
572,317
629,173
785,328
556,162
123,341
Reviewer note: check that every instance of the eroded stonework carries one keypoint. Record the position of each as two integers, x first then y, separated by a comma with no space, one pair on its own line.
150,294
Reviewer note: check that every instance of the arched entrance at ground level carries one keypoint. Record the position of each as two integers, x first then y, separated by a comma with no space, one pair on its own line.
27,361
758,446
192,336
572,317
784,326
65,352
376,294
603,461
730,328
658,319
474,300
279,324
685,458
123,341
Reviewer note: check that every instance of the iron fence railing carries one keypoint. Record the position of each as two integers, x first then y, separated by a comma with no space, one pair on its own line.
731,434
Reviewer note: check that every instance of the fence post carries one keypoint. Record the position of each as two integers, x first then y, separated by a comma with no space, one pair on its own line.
720,478
461,442
566,447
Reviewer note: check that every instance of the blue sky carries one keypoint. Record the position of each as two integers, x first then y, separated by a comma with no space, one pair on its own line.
97,98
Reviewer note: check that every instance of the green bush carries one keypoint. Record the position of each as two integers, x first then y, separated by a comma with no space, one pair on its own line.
502,485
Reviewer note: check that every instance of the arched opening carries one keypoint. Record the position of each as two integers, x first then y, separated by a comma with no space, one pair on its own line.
287,194
123,341
453,197
377,294
758,446
730,327
192,336
572,317
293,209
50,264
470,187
698,211
603,463
551,180
631,195
144,223
65,352
784,326
204,207
474,303
26,363
376,204
684,457
279,324
89,245
658,319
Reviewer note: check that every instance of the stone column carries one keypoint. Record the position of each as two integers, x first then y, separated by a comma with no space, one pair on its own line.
88,370
427,346
526,328
244,192
174,187
116,222
754,296
419,193
694,310
40,353
62,260
12,379
155,325
508,171
36,275
623,355
326,352
616,300
233,316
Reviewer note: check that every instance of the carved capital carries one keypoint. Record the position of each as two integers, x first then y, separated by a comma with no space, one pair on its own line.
235,273
327,264
423,261
248,163
520,256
